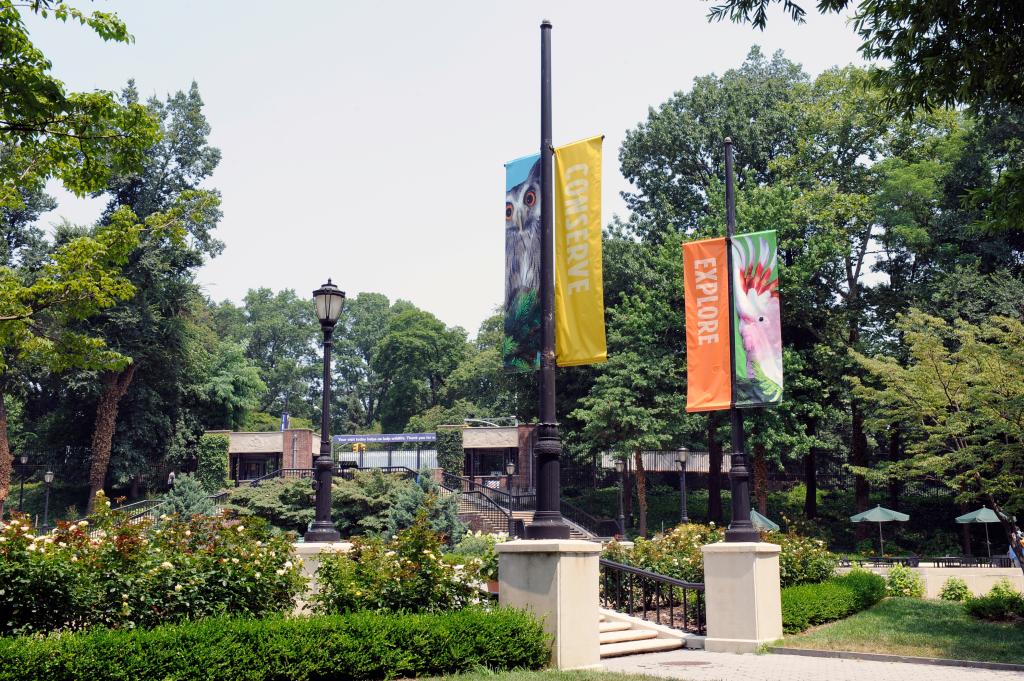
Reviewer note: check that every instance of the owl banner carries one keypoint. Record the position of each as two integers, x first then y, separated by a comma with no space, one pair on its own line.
755,329
579,288
522,343
757,319
706,287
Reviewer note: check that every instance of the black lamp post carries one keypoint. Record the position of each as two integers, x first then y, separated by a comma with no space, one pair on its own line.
329,300
620,467
510,470
21,495
684,457
48,479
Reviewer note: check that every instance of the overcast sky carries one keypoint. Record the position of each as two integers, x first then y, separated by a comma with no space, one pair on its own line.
365,141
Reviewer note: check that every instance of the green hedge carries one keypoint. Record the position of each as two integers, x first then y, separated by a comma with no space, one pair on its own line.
212,467
809,604
450,454
356,646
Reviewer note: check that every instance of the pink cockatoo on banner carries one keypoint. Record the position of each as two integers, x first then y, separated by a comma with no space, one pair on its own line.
756,296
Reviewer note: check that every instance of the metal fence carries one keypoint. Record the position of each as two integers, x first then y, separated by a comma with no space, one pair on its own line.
653,597
383,458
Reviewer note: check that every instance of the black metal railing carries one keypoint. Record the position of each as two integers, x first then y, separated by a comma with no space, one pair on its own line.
511,502
656,598
292,473
594,526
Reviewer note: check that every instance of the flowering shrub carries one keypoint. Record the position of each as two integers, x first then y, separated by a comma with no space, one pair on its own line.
479,546
955,589
904,582
677,554
802,560
110,572
405,574
674,554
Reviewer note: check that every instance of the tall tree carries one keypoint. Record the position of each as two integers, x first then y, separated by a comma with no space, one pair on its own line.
81,139
163,266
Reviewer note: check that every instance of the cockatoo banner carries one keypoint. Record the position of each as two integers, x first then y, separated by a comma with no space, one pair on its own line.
757,319
522,342
755,377
579,287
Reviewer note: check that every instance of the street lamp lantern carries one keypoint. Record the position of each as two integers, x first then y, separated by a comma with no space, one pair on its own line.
329,300
23,459
510,468
48,479
681,461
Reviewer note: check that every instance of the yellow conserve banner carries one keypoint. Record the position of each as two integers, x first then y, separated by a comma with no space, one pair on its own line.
579,287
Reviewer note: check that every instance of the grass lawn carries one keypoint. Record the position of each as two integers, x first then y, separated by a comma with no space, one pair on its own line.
908,626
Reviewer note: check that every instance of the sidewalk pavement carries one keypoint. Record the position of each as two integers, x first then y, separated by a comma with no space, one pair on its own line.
697,665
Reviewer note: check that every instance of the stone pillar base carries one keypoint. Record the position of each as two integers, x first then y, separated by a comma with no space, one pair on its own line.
743,596
309,554
556,580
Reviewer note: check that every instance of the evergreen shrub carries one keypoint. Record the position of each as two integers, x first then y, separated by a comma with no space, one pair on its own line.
805,605
187,498
358,646
1002,603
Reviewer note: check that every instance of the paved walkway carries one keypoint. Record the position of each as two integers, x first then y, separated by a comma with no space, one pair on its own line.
697,665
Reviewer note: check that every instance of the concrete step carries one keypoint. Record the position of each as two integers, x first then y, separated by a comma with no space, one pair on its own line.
612,626
652,645
627,635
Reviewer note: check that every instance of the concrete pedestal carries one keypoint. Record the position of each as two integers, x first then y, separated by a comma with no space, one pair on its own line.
309,554
743,596
556,580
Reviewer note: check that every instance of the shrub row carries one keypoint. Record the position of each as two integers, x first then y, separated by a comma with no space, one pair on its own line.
1002,603
356,646
809,604
677,553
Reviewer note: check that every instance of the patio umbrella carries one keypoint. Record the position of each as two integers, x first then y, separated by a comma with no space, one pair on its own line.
984,515
762,523
879,515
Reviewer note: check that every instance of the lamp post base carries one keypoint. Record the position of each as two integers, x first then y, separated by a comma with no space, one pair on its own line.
549,527
322,532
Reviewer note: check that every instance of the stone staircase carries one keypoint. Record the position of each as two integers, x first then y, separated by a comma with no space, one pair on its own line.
624,635
484,519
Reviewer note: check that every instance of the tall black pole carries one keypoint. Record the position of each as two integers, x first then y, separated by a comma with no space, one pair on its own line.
683,518
323,528
547,519
740,529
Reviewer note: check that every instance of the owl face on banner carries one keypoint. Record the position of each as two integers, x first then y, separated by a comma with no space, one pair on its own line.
521,345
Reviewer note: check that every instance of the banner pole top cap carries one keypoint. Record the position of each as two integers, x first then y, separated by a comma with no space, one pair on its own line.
545,23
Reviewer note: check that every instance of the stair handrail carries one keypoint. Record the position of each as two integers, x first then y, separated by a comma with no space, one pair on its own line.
513,502
624,587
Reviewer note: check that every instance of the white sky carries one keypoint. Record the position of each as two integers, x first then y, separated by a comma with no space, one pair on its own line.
365,141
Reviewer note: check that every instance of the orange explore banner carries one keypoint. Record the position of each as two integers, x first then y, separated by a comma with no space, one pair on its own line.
706,278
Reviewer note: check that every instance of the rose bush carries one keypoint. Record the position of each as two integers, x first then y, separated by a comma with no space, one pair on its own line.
111,572
405,574
677,553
